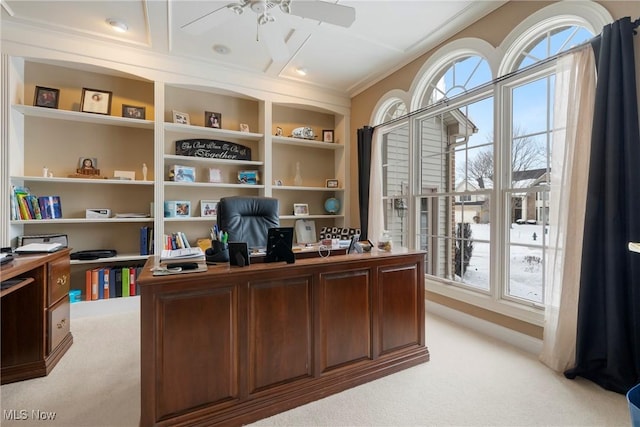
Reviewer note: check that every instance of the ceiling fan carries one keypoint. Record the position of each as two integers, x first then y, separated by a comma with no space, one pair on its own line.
318,10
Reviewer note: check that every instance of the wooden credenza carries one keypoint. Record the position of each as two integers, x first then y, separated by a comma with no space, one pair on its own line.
35,315
233,345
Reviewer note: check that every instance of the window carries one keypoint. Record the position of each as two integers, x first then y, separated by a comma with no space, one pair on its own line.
476,194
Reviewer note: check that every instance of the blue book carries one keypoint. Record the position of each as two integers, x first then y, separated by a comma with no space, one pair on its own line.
112,282
101,283
144,245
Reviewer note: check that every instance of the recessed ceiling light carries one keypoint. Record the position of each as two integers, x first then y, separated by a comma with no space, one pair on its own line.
117,25
302,71
221,49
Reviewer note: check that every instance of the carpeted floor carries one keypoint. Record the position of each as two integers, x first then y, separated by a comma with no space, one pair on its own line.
471,380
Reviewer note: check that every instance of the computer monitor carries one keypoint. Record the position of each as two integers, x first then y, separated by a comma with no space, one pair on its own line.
280,245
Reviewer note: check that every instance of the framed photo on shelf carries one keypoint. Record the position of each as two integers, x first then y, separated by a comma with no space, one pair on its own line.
248,177
88,166
132,112
244,127
215,175
177,208
208,208
327,135
181,118
332,183
184,174
300,209
46,97
212,120
95,101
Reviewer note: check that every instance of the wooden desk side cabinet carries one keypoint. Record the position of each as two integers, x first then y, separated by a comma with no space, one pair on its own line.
35,316
234,345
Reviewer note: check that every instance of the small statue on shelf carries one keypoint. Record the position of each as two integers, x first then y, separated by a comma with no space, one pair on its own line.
144,171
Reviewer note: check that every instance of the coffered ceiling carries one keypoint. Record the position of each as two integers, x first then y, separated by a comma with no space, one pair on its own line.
384,36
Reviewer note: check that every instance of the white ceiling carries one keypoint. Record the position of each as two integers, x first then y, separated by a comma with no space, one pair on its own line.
385,35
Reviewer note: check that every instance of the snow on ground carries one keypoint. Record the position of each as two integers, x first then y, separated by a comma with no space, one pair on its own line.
525,260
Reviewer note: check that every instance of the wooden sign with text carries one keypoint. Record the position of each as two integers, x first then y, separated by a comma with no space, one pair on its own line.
212,149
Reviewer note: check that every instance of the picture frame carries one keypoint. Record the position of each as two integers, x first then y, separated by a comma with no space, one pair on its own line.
279,131
327,135
212,120
181,118
133,112
300,209
209,208
96,101
177,208
183,174
248,177
88,166
47,97
244,127
215,175
333,183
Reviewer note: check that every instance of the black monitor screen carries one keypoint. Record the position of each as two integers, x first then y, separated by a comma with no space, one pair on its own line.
280,244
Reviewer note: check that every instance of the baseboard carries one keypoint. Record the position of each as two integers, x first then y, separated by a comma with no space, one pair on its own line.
105,307
524,342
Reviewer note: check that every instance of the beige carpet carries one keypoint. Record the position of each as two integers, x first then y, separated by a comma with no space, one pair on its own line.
471,380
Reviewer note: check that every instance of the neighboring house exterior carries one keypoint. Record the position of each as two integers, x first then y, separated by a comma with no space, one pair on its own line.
527,206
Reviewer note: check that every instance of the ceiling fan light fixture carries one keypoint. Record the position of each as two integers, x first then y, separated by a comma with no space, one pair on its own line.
265,18
236,8
285,6
117,25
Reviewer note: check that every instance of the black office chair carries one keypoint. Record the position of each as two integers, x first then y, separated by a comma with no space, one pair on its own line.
248,219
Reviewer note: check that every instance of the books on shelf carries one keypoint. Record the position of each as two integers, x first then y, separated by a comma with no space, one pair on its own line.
25,205
111,282
146,240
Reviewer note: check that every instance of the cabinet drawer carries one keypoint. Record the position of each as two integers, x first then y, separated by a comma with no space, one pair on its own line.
59,279
59,323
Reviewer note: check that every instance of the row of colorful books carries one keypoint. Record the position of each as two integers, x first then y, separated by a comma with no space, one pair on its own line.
111,282
25,205
177,240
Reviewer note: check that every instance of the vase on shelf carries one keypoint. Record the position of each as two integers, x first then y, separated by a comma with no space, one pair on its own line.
297,180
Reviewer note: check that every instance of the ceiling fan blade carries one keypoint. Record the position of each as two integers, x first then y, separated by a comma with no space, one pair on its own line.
330,13
274,41
210,20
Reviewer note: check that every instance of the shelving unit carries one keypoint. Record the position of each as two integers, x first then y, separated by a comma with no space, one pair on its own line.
56,138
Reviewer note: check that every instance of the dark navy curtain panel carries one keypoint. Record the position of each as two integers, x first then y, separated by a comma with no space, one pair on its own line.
608,335
365,135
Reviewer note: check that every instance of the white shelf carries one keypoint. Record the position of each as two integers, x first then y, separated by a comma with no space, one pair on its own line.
76,116
211,185
302,188
306,143
117,258
191,159
327,216
80,221
191,219
211,133
55,180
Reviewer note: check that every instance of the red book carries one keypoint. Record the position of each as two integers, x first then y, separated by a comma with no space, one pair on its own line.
132,281
94,283
106,272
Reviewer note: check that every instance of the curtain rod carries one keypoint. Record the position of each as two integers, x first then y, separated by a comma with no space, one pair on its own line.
634,26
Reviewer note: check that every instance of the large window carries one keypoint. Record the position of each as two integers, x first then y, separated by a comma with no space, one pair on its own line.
476,192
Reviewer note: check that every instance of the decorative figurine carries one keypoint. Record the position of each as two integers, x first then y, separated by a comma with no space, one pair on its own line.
144,171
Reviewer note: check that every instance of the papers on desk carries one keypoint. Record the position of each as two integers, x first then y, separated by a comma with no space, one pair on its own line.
34,248
185,254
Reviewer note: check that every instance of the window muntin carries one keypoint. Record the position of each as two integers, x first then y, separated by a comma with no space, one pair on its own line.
551,43
458,77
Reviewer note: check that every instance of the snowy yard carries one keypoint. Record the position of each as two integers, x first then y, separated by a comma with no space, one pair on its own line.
525,260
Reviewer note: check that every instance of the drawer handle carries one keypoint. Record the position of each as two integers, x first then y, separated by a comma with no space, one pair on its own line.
61,324
62,280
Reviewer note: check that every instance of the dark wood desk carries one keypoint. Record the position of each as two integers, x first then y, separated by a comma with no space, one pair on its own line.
236,344
35,315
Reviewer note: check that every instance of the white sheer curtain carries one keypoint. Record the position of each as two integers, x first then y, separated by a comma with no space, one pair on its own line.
571,146
376,207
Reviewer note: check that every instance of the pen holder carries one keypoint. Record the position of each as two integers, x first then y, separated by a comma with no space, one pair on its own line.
218,252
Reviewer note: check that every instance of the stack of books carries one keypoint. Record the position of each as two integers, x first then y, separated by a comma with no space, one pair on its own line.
179,261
